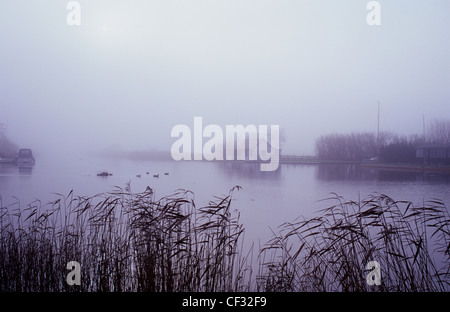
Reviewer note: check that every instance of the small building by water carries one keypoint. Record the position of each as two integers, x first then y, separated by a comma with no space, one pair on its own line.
433,154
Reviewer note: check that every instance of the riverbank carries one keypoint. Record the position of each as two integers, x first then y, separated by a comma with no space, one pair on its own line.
7,161
306,160
407,167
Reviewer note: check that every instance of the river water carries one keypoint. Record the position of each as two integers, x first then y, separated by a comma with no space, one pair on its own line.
266,200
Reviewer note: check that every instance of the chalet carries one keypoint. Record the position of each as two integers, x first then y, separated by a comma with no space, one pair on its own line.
433,154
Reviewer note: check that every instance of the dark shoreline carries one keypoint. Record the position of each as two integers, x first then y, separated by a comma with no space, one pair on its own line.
407,167
404,167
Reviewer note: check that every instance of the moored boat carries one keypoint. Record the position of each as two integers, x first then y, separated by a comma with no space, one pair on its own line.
25,158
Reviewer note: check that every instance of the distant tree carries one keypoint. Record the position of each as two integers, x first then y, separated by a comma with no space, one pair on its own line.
399,148
439,131
353,146
387,138
390,147
403,152
416,140
7,147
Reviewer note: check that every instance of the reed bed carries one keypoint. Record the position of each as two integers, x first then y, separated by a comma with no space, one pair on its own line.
123,241
331,252
127,241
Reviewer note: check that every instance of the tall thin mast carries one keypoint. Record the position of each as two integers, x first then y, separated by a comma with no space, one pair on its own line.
423,125
378,125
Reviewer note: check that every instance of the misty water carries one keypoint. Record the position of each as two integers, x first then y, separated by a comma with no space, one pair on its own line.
266,200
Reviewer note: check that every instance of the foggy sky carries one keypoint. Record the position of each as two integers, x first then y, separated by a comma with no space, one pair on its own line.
135,69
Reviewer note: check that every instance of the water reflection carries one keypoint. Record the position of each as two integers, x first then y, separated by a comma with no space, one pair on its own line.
335,172
387,175
241,169
25,170
7,170
331,172
14,177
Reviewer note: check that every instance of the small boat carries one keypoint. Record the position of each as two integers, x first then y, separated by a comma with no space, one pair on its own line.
138,176
166,173
25,158
156,175
104,174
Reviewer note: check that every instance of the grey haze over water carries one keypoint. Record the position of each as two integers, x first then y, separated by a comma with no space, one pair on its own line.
135,69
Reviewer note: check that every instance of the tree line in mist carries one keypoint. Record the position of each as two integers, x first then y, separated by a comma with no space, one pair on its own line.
356,146
388,146
7,147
